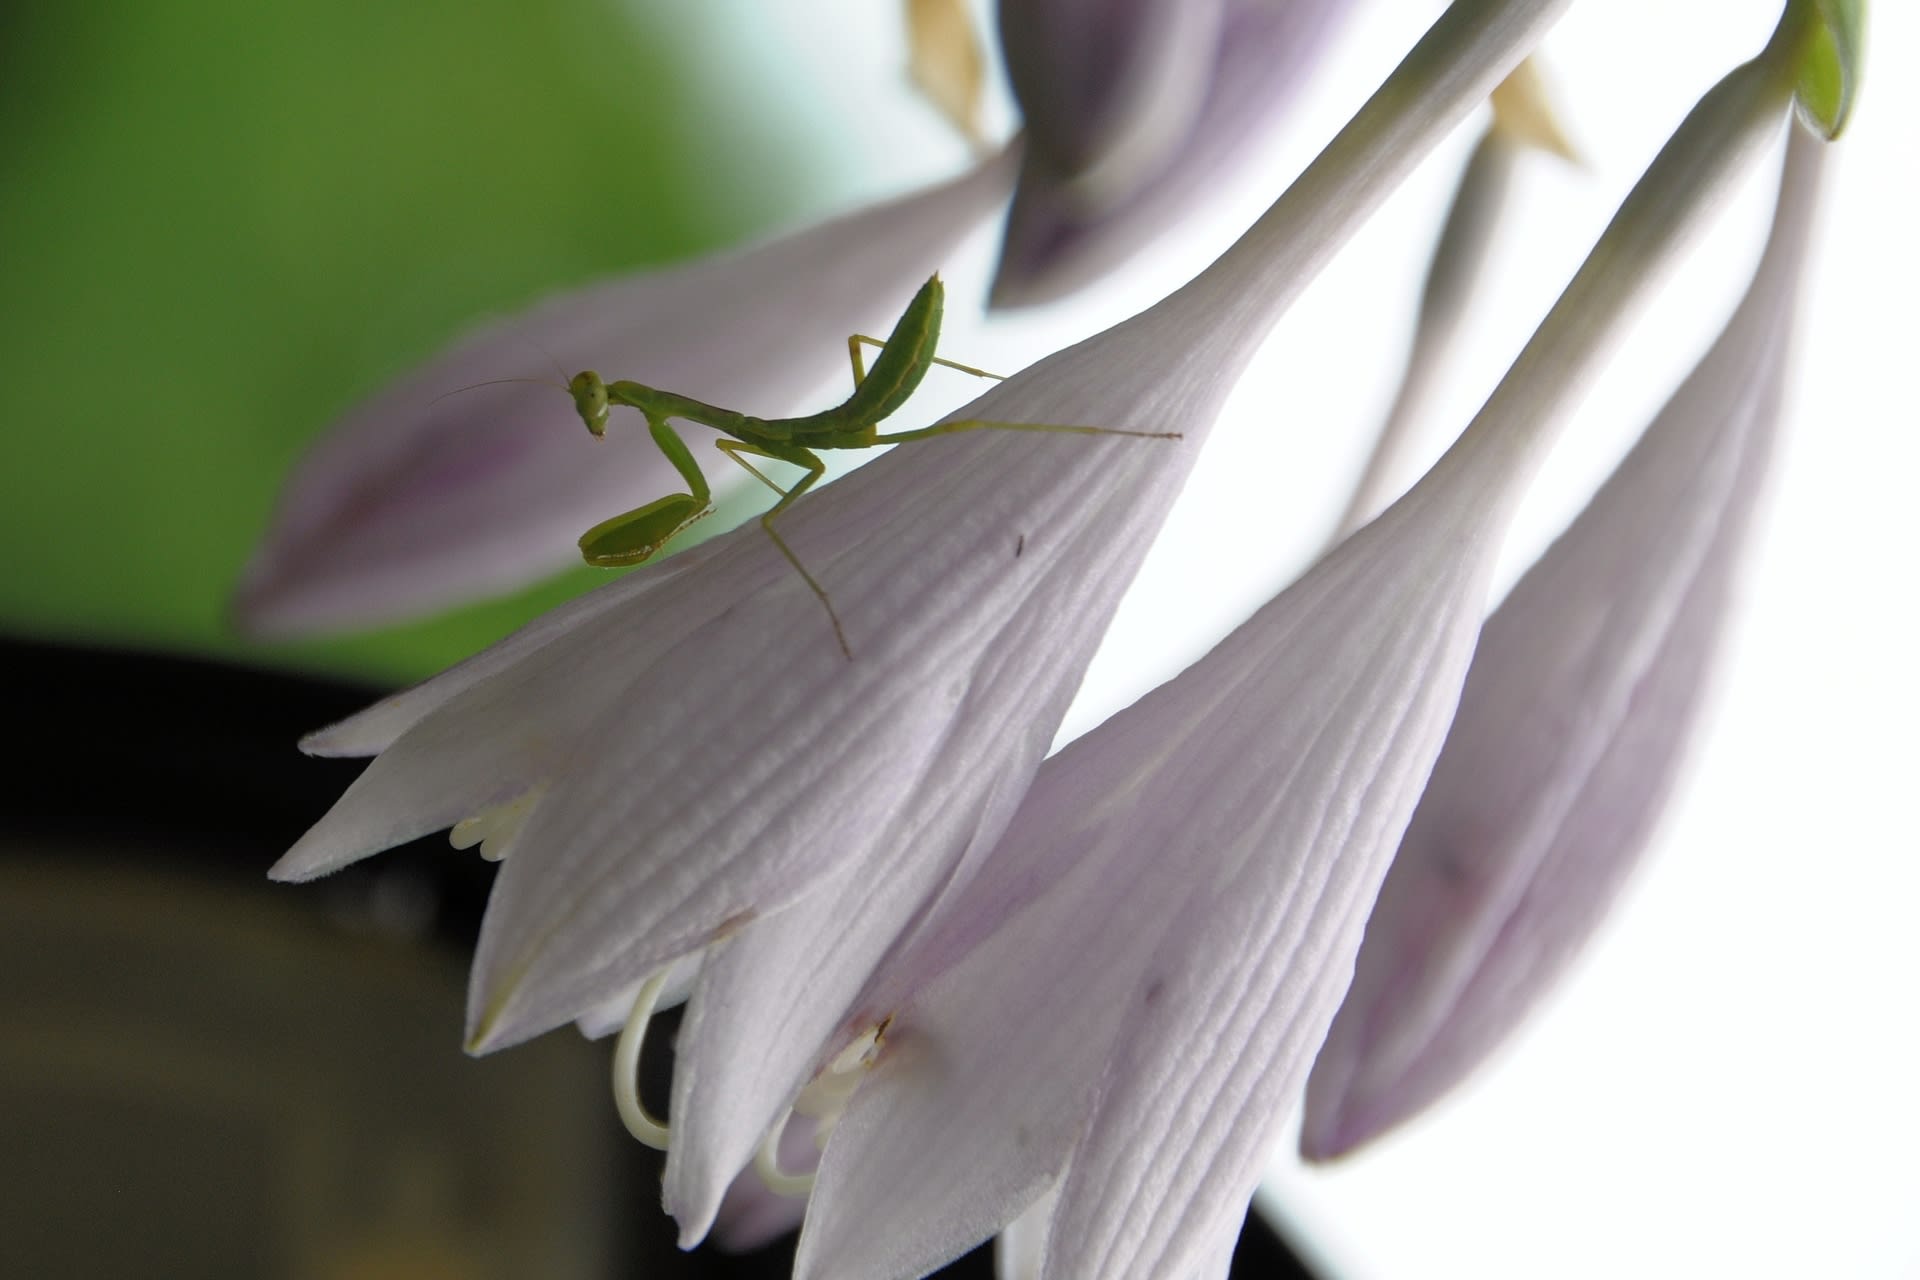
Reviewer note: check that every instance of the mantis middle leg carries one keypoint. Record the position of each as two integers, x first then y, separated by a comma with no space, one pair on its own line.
977,424
815,468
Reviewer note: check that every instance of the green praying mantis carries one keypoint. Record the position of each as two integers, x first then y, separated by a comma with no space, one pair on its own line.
903,361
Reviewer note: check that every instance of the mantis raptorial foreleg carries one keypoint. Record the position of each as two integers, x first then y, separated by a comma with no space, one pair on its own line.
634,536
815,467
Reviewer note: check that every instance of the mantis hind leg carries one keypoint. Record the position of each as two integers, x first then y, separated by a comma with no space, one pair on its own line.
855,342
815,468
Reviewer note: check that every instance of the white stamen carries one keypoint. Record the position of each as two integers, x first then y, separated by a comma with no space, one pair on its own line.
825,1099
626,1066
494,828
825,1096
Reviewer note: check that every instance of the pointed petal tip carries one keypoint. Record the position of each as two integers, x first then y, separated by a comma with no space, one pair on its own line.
694,1225
695,1212
1341,1115
308,859
1018,285
509,1013
1004,293
249,610
276,599
288,871
487,1036
334,741
488,1029
1324,1139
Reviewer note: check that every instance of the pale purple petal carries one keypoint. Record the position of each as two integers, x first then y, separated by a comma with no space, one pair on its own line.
772,984
1522,119
1306,770
1190,795
1224,839
412,503
1579,704
1056,241
1457,261
998,1087
441,767
750,1214
1247,977
1108,89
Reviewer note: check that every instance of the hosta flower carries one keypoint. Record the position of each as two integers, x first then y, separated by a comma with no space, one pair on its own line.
1522,119
1119,1008
1580,699
419,499
684,764
1134,112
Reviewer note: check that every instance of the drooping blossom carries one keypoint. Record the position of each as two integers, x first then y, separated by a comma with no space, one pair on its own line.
1522,119
1580,700
1134,113
686,758
419,499
1119,1009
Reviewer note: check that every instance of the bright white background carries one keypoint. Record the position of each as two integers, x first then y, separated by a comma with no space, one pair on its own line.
1727,1085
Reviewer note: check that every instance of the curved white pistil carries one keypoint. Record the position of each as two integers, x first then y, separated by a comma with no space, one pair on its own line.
626,1066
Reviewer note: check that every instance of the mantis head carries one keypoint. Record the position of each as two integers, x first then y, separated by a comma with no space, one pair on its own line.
590,400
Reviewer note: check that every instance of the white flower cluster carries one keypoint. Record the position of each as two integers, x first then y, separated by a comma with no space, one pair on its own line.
1078,995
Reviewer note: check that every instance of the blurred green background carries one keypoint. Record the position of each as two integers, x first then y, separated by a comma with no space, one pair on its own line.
223,222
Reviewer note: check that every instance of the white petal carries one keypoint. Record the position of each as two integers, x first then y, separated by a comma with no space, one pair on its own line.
1019,1249
1302,743
1457,261
493,729
1576,711
369,732
609,1016
764,1000
995,1066
1231,830
1216,1249
999,1096
1247,978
